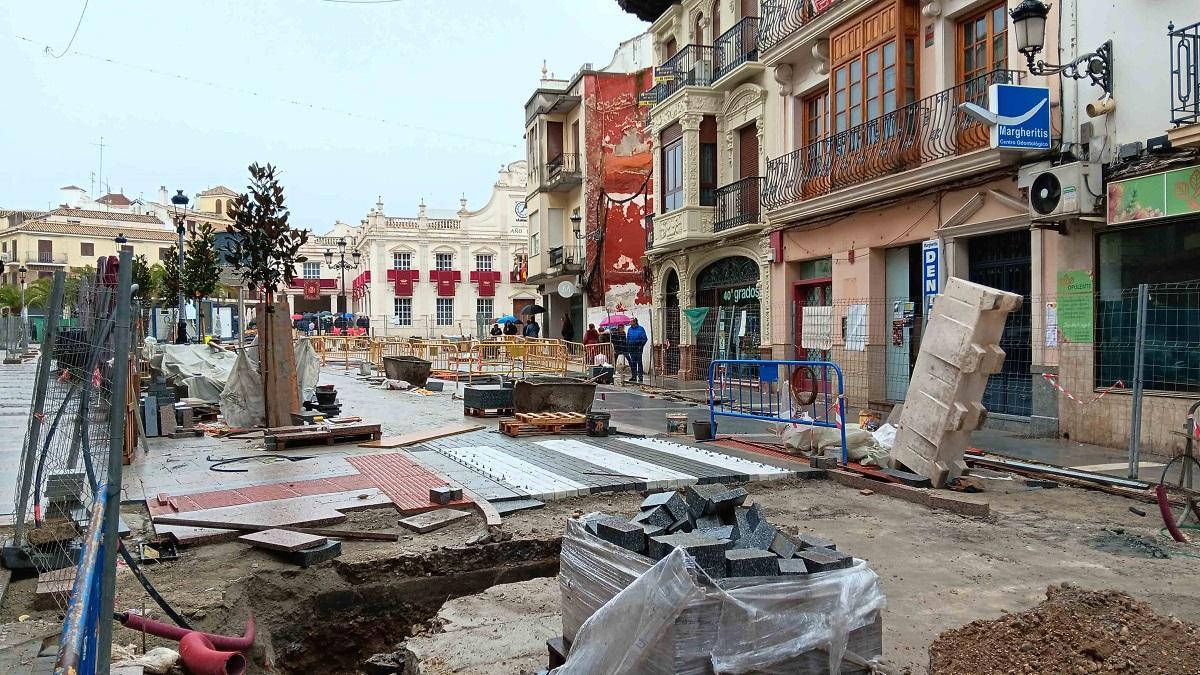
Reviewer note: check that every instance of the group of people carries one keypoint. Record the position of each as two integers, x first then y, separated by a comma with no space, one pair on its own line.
628,344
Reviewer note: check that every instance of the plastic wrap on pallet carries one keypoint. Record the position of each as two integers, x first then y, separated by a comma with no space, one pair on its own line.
735,625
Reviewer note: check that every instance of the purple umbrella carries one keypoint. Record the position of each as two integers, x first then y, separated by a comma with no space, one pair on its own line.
615,320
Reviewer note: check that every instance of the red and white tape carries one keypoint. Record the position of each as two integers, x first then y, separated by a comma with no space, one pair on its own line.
1119,384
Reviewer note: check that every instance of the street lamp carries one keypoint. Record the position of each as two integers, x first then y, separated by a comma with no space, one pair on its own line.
341,265
1029,27
179,204
21,272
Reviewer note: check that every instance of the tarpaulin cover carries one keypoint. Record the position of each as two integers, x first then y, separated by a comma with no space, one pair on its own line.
242,402
623,613
203,369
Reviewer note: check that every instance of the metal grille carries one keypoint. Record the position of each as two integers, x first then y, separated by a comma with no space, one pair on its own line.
1185,73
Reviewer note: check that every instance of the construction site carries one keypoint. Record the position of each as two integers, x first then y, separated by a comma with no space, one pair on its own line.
492,506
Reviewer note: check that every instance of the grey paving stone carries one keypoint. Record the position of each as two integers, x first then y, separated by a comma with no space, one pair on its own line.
755,515
658,516
760,537
784,546
808,541
750,562
722,532
672,501
623,533
792,566
824,560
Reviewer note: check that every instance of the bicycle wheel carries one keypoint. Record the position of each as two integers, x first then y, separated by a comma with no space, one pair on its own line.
1181,477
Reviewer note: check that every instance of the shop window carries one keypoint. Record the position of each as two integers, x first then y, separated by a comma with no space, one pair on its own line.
1167,258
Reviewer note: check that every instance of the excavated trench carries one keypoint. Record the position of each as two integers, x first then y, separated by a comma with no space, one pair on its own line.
332,618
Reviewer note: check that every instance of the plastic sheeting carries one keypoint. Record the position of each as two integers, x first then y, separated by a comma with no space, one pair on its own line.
242,403
861,445
624,614
308,368
203,369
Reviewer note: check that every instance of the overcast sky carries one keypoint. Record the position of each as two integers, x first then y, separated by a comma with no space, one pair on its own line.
436,87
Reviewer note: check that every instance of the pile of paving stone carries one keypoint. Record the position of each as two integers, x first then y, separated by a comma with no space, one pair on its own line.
725,538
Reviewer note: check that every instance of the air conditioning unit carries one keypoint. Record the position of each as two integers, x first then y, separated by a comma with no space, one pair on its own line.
1066,191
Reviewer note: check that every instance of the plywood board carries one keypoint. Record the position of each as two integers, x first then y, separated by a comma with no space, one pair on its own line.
282,540
415,437
432,520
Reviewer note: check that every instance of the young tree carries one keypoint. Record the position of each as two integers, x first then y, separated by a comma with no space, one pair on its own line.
201,267
265,250
171,282
143,276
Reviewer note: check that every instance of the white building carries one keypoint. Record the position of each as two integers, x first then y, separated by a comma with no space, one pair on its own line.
439,272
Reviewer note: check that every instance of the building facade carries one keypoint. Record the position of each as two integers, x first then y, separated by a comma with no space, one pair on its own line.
590,188
708,119
437,273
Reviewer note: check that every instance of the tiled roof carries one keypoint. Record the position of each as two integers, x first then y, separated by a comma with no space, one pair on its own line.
97,231
106,215
25,214
114,199
218,191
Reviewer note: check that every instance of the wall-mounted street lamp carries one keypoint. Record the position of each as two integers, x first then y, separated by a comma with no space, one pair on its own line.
1029,26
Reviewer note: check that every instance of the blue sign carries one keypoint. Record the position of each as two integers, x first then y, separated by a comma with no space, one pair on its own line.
1021,116
931,271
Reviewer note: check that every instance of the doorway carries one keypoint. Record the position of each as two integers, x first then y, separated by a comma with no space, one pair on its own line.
904,312
1004,261
672,319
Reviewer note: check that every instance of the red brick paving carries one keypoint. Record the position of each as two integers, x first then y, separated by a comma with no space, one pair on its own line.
263,493
402,479
766,449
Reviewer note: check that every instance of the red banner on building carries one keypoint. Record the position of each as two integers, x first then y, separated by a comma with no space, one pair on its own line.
445,286
312,289
404,286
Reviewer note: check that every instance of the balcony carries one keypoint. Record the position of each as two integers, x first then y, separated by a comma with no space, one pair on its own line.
570,258
649,231
693,66
1185,86
783,18
739,204
736,48
46,258
930,129
682,227
560,174
7,257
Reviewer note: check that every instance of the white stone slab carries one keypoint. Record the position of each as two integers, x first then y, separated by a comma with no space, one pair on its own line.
737,465
656,477
499,465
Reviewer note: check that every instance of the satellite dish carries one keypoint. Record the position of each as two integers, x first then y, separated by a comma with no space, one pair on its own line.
1045,193
566,289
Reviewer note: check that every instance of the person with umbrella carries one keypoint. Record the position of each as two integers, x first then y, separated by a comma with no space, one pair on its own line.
531,329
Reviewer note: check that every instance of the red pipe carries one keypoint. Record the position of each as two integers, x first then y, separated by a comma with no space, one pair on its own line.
165,630
1164,508
201,658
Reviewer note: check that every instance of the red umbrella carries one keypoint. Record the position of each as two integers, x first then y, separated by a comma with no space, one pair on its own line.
615,320
297,317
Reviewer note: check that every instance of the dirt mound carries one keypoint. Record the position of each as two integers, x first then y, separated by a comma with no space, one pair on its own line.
1073,631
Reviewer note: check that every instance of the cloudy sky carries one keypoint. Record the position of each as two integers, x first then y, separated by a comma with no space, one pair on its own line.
351,99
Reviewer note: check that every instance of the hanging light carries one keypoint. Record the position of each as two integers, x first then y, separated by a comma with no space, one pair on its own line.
1029,28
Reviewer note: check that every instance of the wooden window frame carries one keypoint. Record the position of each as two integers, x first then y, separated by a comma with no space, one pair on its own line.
808,135
960,74
907,27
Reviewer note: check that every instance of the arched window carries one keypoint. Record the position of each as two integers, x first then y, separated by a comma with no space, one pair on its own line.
698,30
219,205
715,13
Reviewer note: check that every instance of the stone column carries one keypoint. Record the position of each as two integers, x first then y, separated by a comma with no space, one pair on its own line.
656,153
764,296
691,158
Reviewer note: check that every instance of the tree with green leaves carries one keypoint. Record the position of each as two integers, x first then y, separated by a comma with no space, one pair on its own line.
143,276
201,268
266,249
171,282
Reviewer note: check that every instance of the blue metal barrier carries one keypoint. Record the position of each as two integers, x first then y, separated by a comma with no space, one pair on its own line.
77,644
766,390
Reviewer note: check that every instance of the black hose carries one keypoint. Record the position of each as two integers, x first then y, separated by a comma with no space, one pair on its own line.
158,599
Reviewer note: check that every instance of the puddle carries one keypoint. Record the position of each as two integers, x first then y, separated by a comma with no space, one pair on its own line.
1117,540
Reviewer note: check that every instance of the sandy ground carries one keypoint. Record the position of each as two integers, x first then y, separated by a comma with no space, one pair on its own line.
939,570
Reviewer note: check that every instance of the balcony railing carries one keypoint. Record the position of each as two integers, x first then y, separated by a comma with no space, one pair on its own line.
693,66
929,129
649,231
565,255
781,18
330,241
561,172
46,258
736,46
738,204
1185,74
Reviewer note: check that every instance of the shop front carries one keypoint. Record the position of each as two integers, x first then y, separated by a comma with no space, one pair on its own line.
727,318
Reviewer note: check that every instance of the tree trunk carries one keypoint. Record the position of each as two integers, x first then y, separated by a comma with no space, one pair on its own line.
277,364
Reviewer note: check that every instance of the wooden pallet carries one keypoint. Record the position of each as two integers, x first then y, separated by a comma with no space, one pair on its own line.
487,412
282,438
544,423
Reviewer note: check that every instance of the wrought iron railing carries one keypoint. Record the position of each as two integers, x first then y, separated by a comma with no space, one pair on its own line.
565,166
649,231
738,204
1185,73
781,18
736,46
565,255
693,66
929,129
46,258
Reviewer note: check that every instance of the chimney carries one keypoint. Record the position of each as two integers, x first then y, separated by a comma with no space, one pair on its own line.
162,195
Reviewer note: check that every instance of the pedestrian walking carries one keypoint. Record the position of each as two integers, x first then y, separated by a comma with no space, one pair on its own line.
532,329
568,329
635,343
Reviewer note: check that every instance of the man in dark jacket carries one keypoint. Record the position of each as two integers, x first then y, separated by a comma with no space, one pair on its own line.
635,341
510,328
532,329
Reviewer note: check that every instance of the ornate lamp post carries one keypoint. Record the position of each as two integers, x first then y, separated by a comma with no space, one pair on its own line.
179,204
341,265
1029,27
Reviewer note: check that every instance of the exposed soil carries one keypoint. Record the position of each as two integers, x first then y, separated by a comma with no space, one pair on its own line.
1073,631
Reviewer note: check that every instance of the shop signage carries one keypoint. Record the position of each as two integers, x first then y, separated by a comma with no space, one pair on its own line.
1160,195
1020,116
647,99
931,271
663,75
734,295
1076,306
